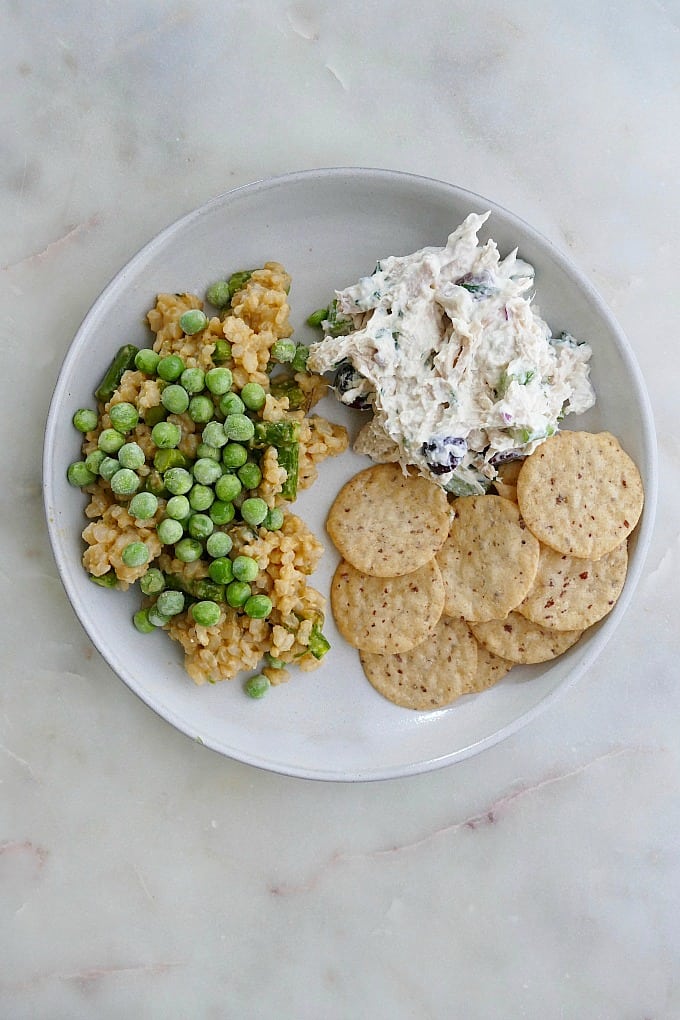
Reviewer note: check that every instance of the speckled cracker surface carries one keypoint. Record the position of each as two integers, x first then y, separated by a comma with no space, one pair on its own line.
489,560
580,493
386,523
571,593
490,669
386,614
520,640
431,675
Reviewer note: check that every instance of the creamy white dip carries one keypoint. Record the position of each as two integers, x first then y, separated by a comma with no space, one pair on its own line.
458,367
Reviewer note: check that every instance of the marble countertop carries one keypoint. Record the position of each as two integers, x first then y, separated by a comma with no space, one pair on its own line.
143,875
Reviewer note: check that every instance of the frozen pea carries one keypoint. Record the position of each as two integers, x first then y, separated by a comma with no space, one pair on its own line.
231,403
283,351
175,398
254,511
178,481
142,622
166,435
170,368
110,441
206,613
94,461
201,497
201,409
146,361
193,380
131,455
135,554
178,508
218,380
200,526
245,568
85,420
222,352
250,475
227,488
258,607
79,474
193,321
213,434
239,428
257,686
124,416
169,531
108,468
170,603
152,582
219,544
125,482
188,550
218,294
274,519
220,570
143,505
234,455
253,396
207,471
206,450
237,594
155,617
221,512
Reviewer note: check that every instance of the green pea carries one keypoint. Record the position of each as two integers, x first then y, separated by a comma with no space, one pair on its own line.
166,435
79,474
143,506
193,321
94,461
206,470
178,481
317,317
258,607
85,420
201,409
200,526
213,434
131,455
154,483
108,468
239,280
273,662
156,618
166,459
254,511
218,294
170,603
227,488
206,613
231,403
152,582
239,427
124,416
169,531
219,545
218,380
146,361
175,398
222,351
201,497
125,482
170,368
135,554
250,475
221,512
237,594
283,351
142,622
257,686
234,455
274,519
178,508
188,550
193,380
206,450
245,568
220,570
253,396
110,441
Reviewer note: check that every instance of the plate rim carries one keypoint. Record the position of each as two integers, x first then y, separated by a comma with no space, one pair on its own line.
644,529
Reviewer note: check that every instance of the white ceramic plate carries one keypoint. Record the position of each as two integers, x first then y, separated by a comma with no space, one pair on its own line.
328,227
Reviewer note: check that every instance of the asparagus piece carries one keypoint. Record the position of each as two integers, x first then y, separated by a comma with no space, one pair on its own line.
318,643
286,386
197,588
107,580
289,458
275,433
124,359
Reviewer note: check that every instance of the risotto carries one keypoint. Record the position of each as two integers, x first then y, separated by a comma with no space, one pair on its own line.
198,446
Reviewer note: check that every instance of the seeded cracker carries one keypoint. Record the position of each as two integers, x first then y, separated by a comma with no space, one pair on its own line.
520,640
490,669
386,523
570,593
489,560
431,675
386,614
580,493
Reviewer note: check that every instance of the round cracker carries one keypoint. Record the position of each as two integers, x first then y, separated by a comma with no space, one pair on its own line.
490,669
489,560
580,493
570,593
387,523
431,675
520,640
386,614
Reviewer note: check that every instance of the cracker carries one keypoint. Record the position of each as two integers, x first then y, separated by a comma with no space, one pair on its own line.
520,640
569,593
431,675
580,493
386,614
489,560
386,523
490,669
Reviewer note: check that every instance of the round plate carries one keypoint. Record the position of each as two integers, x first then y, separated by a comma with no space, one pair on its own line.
328,227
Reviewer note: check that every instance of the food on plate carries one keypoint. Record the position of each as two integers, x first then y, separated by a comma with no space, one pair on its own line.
431,675
519,640
447,351
581,493
191,460
386,523
489,560
394,614
570,593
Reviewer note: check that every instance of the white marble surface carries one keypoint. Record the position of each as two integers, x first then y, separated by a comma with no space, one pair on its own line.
141,874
